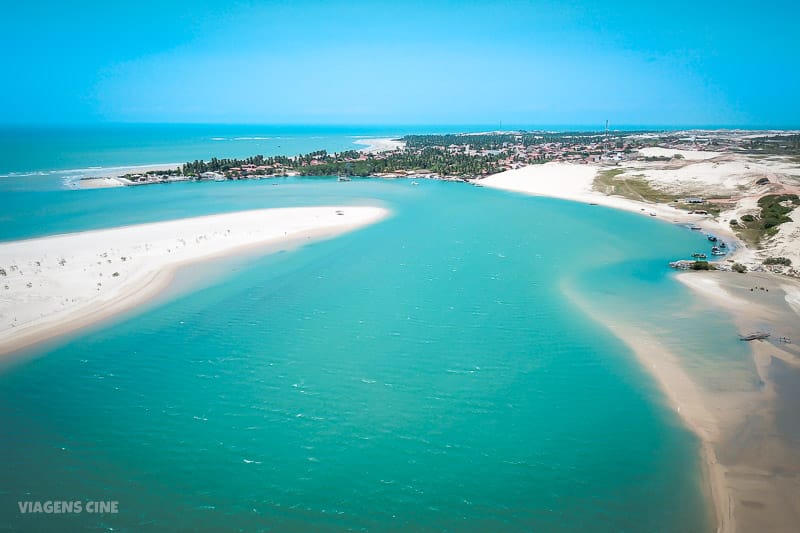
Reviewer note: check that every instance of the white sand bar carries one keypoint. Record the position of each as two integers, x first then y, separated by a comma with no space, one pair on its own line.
375,146
689,155
52,285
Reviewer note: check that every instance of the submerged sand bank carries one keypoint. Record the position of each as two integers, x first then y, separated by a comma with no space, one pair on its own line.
683,395
752,463
53,285
743,412
758,447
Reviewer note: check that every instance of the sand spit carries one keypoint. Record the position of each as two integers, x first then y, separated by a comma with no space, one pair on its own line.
749,445
758,448
374,146
53,285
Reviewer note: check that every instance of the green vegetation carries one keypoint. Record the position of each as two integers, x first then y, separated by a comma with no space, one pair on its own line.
778,261
353,163
738,267
604,181
224,165
436,160
774,145
139,176
774,211
634,187
776,207
703,265
498,141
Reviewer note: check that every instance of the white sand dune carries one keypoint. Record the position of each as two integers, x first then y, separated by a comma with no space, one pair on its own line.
559,180
689,155
55,284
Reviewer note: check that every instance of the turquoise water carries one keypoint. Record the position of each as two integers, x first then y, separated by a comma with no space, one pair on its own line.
49,158
425,373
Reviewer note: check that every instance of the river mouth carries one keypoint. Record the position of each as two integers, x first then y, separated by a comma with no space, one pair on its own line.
428,367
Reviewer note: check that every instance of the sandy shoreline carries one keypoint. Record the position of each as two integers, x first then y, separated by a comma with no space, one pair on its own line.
752,473
760,460
683,396
56,284
108,178
374,146
575,182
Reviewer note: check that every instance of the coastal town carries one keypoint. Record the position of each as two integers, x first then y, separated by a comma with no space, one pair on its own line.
461,157
741,184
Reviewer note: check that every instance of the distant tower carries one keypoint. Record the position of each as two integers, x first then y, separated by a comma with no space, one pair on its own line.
606,144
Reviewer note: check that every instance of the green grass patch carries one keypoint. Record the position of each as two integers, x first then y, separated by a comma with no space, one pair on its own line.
634,187
774,211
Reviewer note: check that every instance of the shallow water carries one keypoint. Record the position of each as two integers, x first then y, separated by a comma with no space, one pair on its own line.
424,373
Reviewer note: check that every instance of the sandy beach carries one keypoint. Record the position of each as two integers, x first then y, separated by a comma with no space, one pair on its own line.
374,146
576,182
56,284
111,176
748,444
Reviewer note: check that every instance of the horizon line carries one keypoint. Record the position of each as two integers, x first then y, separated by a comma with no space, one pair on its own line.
563,127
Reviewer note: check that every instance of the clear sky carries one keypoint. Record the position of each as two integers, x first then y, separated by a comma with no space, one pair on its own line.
348,62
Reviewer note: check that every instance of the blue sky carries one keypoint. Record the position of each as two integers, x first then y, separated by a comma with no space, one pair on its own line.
531,63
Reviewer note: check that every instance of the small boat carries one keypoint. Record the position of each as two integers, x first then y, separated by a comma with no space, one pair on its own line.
695,228
754,336
722,244
339,212
414,183
652,214
711,238
343,178
699,256
716,251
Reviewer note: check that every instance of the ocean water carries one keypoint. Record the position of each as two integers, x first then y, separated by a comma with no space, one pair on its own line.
48,158
425,373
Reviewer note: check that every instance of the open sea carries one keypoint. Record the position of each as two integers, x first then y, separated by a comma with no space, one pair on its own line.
426,373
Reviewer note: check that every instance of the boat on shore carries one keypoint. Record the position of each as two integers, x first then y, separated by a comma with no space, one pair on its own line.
758,335
699,256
